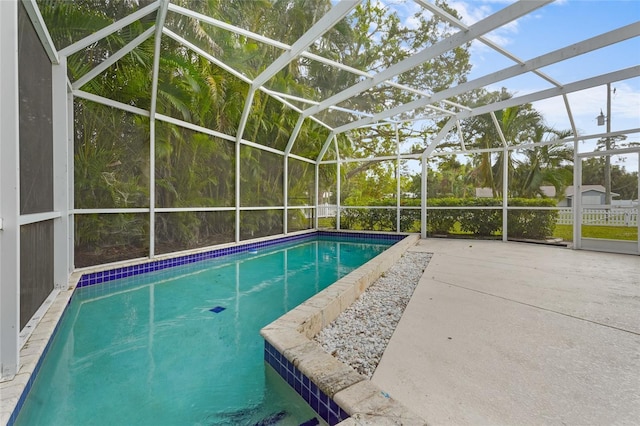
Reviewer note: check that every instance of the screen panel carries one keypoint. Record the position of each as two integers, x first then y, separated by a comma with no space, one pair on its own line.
299,219
261,175
260,223
179,231
36,123
193,169
111,158
36,267
106,238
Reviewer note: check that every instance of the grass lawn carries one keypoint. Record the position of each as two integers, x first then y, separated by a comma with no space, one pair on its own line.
326,222
627,233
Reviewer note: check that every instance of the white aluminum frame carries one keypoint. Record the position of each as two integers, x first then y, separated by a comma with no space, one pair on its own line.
162,14
615,246
484,26
9,193
41,29
439,103
62,174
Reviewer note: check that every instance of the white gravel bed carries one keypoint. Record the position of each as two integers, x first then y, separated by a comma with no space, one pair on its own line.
360,334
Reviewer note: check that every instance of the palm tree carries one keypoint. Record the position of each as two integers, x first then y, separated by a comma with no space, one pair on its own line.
544,165
518,124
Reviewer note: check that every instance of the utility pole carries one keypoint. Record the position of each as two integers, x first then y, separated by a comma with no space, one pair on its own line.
607,158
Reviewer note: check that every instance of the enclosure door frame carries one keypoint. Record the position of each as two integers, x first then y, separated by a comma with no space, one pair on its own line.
599,244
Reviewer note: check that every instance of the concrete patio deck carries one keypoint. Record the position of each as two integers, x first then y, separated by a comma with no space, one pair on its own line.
511,334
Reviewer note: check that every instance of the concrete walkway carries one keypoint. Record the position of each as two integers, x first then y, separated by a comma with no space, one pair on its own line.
512,334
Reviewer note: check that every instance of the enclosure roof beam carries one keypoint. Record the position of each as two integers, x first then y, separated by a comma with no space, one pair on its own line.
113,58
610,134
500,18
321,123
162,14
109,29
325,147
206,55
323,25
385,115
461,136
572,121
594,43
294,135
245,113
41,29
415,156
281,97
262,39
616,151
455,22
366,114
411,156
439,137
291,97
225,26
110,102
278,44
559,55
498,128
623,74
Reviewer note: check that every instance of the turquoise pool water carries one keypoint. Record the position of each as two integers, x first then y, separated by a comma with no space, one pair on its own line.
182,346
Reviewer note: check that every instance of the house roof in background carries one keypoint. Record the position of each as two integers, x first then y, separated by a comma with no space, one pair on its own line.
585,188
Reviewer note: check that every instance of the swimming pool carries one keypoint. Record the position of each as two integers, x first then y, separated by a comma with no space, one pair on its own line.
182,345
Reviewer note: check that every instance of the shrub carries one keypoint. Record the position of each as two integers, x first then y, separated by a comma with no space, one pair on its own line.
535,224
481,222
442,221
351,218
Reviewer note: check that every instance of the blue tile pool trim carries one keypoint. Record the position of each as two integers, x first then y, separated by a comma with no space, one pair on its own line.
360,235
326,407
157,265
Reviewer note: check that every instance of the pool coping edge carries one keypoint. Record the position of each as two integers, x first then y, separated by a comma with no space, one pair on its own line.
292,336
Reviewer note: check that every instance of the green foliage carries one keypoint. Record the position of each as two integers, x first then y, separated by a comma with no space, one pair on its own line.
482,219
622,182
534,224
104,238
111,158
297,221
441,221
194,169
528,169
255,224
481,222
410,218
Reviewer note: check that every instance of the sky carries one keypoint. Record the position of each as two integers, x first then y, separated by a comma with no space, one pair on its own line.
555,26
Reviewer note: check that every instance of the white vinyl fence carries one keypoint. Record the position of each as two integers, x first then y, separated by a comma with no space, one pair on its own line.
327,210
617,216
